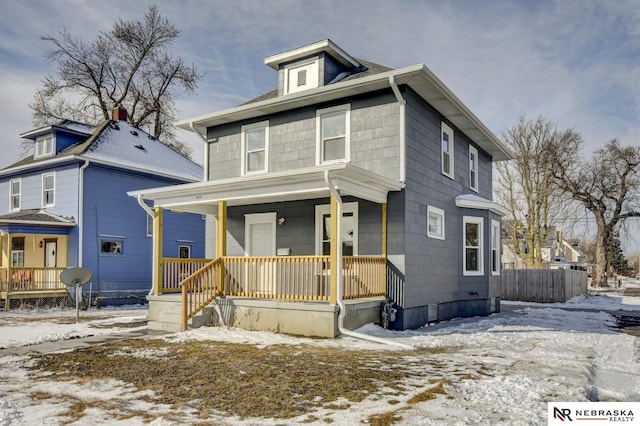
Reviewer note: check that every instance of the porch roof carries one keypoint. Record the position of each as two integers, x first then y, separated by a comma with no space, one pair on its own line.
301,184
36,217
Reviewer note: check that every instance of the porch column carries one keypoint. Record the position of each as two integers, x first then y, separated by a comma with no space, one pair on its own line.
333,253
384,230
221,240
7,302
157,250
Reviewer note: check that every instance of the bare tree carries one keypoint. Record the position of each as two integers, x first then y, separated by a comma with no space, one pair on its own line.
130,65
525,185
608,185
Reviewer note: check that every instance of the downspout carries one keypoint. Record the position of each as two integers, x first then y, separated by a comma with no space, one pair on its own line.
403,140
81,213
206,151
151,213
340,283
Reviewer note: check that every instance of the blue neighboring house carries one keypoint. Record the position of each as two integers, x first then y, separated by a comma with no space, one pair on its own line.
67,205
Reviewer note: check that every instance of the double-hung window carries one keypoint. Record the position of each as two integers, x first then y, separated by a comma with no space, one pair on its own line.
44,146
15,187
255,147
435,223
333,129
17,252
473,256
495,247
48,189
473,168
446,136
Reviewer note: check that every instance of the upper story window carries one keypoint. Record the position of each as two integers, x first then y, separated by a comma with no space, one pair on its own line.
447,150
473,256
255,147
473,168
48,189
299,76
44,146
333,134
14,196
435,223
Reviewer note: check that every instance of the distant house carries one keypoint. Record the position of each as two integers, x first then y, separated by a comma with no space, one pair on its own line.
67,205
349,185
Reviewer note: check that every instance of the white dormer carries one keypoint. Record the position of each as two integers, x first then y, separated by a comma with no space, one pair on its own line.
310,66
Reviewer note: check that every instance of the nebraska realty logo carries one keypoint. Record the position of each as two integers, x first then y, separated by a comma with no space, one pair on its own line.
593,413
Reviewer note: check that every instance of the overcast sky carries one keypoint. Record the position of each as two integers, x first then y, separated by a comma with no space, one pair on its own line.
576,62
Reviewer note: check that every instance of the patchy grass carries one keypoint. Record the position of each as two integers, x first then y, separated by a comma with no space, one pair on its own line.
244,380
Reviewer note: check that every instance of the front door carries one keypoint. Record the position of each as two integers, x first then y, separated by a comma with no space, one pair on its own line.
260,241
50,261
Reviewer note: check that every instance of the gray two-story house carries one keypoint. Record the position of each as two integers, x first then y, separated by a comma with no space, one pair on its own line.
349,185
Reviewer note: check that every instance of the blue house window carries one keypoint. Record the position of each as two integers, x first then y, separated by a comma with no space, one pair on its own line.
16,189
48,189
44,146
112,246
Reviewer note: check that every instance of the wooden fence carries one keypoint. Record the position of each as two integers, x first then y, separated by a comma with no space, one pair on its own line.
542,285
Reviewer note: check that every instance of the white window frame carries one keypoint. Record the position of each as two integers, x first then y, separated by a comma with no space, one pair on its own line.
473,168
347,137
13,195
291,84
184,246
325,209
44,146
445,129
466,220
245,152
45,190
495,248
435,212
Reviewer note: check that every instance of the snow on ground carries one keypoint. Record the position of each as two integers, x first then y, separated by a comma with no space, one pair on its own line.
502,369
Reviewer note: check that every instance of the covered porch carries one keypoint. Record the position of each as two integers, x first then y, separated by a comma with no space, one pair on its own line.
33,254
269,280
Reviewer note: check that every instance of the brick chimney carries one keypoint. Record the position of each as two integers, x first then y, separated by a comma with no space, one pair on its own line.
119,114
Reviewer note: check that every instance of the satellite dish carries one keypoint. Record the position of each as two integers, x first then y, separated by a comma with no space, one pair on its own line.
75,277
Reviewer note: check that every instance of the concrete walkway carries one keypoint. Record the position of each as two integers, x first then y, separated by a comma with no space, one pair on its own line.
79,343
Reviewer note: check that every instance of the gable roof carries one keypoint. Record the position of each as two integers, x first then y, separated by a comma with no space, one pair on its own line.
418,77
117,144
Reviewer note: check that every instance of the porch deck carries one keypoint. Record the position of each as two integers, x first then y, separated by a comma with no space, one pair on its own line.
289,294
30,283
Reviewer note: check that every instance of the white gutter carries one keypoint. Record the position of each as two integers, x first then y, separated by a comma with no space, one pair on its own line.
403,141
151,213
340,283
81,213
205,166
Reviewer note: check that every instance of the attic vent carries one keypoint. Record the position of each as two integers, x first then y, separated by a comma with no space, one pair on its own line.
153,138
114,126
140,147
302,77
133,132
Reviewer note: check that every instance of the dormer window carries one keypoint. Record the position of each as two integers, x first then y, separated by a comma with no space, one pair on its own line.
44,146
301,76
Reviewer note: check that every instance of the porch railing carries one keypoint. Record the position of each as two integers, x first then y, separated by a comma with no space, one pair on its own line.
36,280
175,270
298,278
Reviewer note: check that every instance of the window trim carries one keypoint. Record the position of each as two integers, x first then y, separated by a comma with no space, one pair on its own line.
346,108
12,194
44,190
188,247
41,141
311,83
444,128
478,221
473,183
495,238
243,159
439,212
323,209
